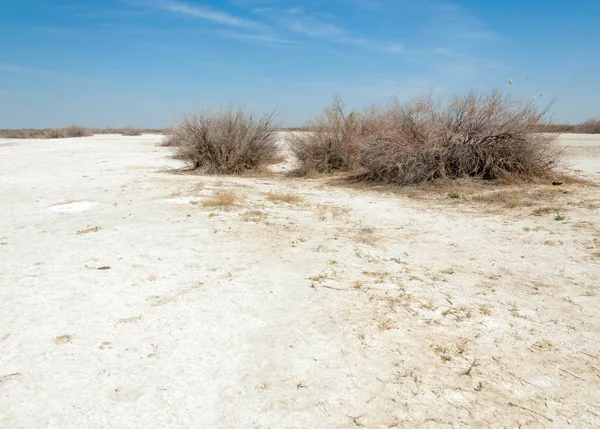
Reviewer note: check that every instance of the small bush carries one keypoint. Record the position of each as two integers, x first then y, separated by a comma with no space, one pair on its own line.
331,143
227,142
77,131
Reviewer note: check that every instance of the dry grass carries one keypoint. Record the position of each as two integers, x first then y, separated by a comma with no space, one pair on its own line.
63,339
88,230
284,197
254,216
131,319
221,199
226,142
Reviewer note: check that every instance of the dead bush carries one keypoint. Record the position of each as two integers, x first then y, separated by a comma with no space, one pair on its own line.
331,142
77,131
477,135
226,142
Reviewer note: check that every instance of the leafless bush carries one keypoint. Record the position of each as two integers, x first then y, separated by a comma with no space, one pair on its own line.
230,141
331,143
77,131
170,141
486,136
591,126
130,131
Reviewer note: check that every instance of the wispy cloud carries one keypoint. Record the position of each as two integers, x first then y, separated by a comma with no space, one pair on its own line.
259,38
14,68
298,21
314,28
201,12
453,21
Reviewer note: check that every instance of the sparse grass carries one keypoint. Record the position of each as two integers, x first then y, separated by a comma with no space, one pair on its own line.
254,216
507,198
485,309
559,217
284,197
541,211
131,319
453,195
63,339
367,236
221,199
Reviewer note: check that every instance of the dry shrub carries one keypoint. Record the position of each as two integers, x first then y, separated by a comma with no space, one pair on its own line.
221,198
226,142
170,141
331,143
284,197
55,133
130,131
77,131
591,126
485,136
23,133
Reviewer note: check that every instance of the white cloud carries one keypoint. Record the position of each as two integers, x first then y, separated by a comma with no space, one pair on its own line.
202,12
260,38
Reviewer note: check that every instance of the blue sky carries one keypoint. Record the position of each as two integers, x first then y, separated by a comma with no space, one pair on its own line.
143,62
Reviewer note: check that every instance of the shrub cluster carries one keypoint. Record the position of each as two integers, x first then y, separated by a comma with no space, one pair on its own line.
230,141
591,126
476,135
73,131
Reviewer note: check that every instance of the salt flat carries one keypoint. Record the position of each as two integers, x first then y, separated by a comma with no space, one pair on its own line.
128,303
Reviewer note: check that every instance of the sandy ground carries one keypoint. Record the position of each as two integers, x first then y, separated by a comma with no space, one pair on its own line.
126,302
